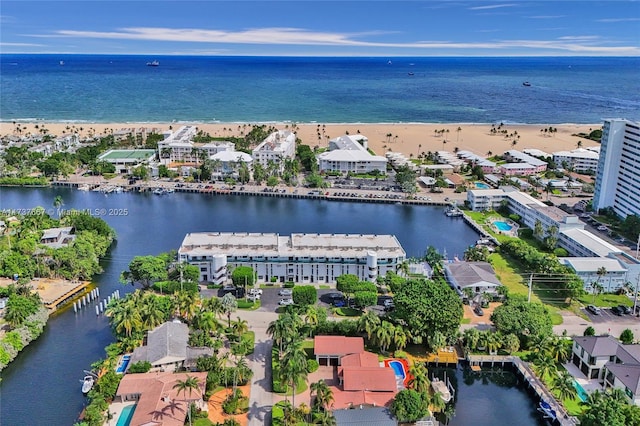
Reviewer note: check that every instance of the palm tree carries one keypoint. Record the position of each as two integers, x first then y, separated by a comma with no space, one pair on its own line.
229,306
400,337
325,419
437,403
471,336
494,343
240,326
436,341
601,272
188,384
323,394
563,385
384,335
558,349
544,366
58,203
419,380
284,329
213,304
368,323
311,318
293,367
151,311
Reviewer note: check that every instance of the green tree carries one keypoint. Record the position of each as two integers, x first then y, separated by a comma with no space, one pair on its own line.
406,179
368,323
589,331
511,343
323,395
409,405
229,306
626,336
189,384
293,367
563,385
544,366
243,276
305,295
426,307
419,380
145,270
522,319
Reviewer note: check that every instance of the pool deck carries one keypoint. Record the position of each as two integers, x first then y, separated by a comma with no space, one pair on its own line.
115,409
589,385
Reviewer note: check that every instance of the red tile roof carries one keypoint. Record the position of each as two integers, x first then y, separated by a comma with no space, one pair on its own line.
343,399
369,379
159,403
337,345
364,359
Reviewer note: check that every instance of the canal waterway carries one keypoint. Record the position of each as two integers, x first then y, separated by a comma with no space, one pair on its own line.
42,386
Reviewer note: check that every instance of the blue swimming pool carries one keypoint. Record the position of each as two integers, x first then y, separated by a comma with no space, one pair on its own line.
482,185
582,394
398,368
126,415
122,367
502,226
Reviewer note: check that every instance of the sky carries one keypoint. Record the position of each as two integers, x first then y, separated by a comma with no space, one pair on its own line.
323,28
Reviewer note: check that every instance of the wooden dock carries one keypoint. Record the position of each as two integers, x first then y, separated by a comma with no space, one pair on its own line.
445,356
55,293
533,382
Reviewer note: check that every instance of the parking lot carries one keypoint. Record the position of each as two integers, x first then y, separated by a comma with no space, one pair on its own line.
607,316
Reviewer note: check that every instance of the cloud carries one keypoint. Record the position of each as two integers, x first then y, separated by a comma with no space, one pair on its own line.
584,44
6,44
609,20
492,6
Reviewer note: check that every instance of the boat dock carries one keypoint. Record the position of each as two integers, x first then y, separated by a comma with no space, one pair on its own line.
446,357
534,384
55,293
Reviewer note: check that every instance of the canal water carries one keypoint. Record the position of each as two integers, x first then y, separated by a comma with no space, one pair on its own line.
495,397
42,386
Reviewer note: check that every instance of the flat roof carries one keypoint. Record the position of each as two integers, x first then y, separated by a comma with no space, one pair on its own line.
592,264
592,242
127,154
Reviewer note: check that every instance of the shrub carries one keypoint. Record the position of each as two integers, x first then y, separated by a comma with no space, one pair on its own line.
305,295
170,287
139,367
627,336
589,331
289,284
312,365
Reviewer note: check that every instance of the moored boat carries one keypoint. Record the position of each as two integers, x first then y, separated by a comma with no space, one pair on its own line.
87,383
546,410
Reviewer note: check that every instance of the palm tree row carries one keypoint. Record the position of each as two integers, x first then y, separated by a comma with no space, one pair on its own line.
383,333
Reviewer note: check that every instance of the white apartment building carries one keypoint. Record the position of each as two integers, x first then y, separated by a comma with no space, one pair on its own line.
471,158
618,176
520,157
586,268
580,160
349,153
301,258
276,147
179,147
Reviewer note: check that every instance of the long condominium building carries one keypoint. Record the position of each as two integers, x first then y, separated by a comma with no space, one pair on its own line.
618,175
301,258
275,148
349,153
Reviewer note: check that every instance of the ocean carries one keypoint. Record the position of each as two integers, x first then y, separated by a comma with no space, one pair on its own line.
104,88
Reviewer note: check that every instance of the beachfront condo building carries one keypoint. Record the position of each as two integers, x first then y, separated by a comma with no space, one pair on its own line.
618,175
178,147
299,258
349,154
579,160
277,147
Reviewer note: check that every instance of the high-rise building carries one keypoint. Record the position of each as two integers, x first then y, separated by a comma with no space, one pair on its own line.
618,175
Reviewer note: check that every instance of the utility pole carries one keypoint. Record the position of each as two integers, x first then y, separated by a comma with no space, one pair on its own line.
530,287
635,295
180,265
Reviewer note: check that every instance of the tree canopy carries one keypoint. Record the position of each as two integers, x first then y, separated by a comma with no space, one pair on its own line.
145,270
426,307
523,319
409,405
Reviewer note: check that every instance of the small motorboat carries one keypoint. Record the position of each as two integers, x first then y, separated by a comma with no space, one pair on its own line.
153,64
526,84
87,383
546,410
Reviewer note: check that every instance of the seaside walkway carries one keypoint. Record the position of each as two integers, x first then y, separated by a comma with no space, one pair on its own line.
534,383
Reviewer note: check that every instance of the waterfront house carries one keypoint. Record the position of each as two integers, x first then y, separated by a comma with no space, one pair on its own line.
57,237
613,364
330,349
360,416
158,402
167,348
478,276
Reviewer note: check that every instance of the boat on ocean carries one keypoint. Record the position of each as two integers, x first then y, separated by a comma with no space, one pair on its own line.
546,410
153,64
87,383
61,62
410,73
159,191
526,84
453,211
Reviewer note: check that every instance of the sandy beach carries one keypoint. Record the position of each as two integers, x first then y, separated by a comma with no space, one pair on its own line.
409,139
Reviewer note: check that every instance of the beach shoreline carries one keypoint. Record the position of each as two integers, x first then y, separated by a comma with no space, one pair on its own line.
411,139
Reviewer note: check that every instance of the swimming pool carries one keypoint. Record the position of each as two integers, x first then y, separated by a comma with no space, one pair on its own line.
502,226
122,367
126,415
582,394
398,369
482,185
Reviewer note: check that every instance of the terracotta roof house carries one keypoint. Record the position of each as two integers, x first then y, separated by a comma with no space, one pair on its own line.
157,401
479,276
614,365
329,349
167,347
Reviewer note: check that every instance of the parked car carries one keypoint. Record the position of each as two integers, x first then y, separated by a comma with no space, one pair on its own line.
253,297
387,302
285,302
625,309
602,228
593,309
255,291
478,311
338,303
285,292
617,311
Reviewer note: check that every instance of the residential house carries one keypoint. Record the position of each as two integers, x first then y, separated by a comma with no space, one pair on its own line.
57,237
478,276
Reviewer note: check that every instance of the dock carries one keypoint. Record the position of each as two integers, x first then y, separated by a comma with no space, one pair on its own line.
534,384
447,356
55,293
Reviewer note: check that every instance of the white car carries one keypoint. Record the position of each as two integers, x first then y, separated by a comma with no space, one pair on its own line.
253,297
255,291
285,292
285,302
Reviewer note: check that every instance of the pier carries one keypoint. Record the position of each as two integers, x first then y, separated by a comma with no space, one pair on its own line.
534,384
56,293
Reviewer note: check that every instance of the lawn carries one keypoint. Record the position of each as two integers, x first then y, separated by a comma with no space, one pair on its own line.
510,278
247,305
347,312
606,300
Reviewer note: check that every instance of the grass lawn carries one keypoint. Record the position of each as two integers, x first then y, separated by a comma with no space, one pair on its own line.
510,278
465,321
347,312
324,287
606,300
248,306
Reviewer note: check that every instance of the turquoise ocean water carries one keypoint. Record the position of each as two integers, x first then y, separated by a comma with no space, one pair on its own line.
101,88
